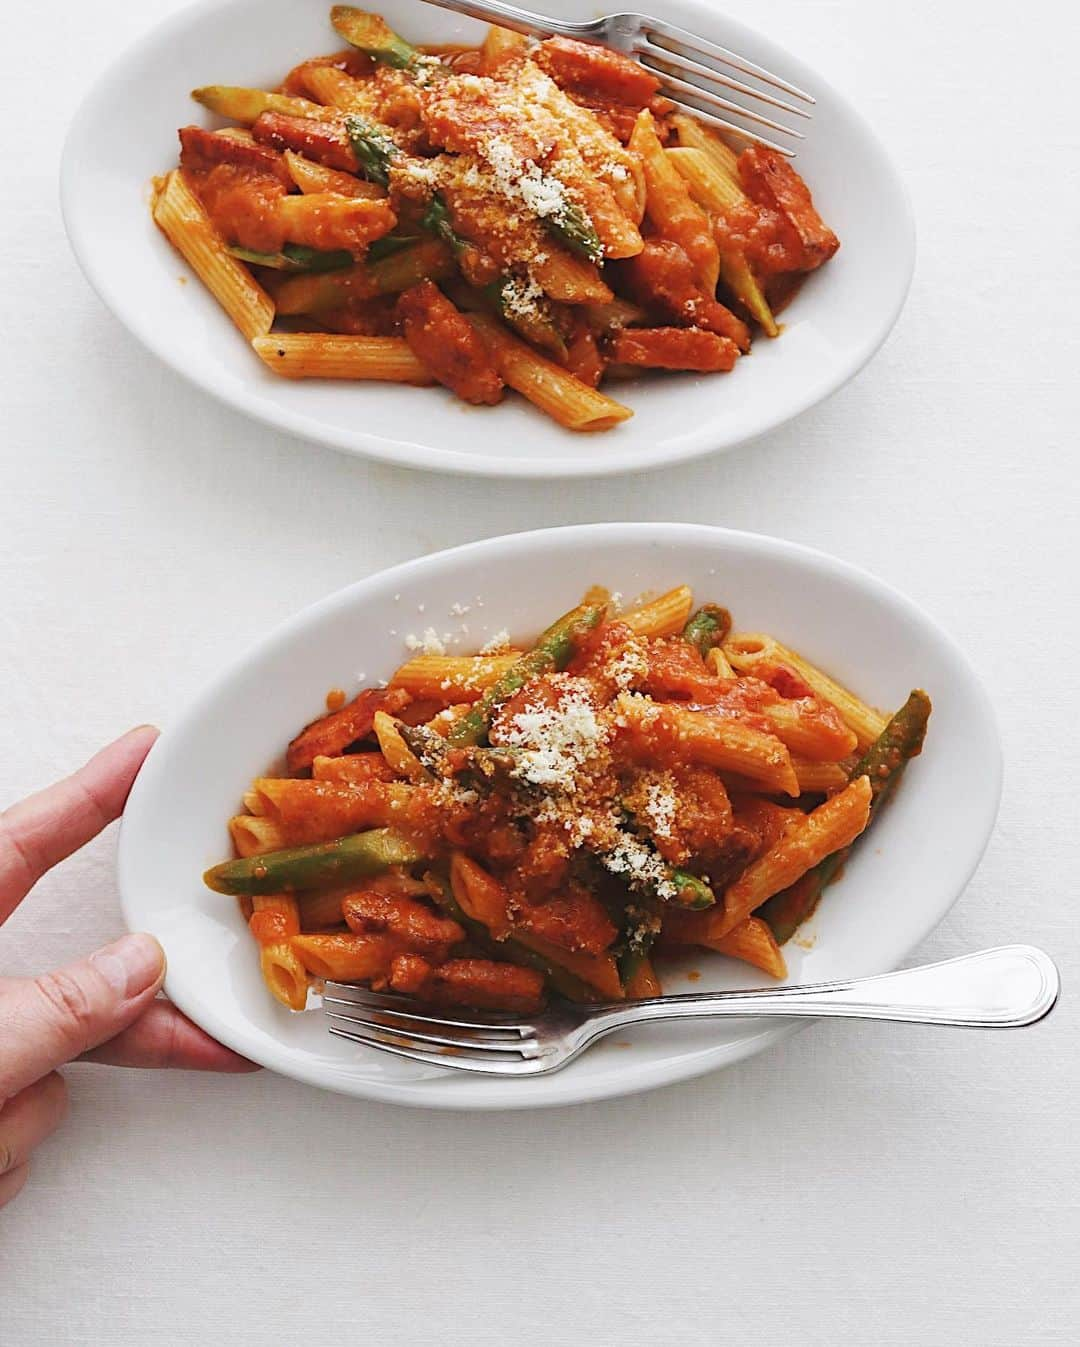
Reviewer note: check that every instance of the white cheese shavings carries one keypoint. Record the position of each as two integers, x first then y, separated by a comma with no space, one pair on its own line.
499,642
660,805
557,740
428,644
641,867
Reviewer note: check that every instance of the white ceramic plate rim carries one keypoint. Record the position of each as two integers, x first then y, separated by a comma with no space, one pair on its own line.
707,439
564,1087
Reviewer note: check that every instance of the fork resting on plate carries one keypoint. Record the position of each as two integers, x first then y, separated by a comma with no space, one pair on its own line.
1003,988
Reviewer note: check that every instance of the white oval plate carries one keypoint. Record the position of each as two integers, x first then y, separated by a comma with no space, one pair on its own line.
834,326
897,886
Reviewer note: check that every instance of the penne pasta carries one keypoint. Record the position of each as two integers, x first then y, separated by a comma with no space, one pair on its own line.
322,355
318,811
663,616
396,751
810,729
313,178
754,653
832,826
722,742
565,399
274,920
452,678
669,206
345,957
179,214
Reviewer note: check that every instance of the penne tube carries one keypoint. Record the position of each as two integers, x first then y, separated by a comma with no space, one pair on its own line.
830,827
346,957
757,654
718,663
570,279
313,178
339,90
274,920
452,678
320,811
715,191
253,836
352,769
729,745
670,207
751,941
811,729
180,215
396,751
819,778
664,616
565,399
694,135
331,355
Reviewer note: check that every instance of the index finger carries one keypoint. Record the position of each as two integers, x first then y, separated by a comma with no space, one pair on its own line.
44,829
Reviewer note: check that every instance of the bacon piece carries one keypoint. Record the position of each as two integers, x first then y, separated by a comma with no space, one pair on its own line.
485,984
448,344
683,348
325,142
662,277
770,180
586,67
409,973
416,925
202,150
331,735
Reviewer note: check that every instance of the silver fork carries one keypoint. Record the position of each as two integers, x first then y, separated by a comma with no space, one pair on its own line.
672,54
1002,988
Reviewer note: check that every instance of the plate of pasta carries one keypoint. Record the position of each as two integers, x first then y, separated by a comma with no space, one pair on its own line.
726,763
404,230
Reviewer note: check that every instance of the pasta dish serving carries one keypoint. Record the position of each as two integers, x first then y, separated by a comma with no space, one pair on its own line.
522,215
488,830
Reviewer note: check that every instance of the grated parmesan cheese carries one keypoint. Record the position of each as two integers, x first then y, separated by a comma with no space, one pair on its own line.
558,741
499,642
427,644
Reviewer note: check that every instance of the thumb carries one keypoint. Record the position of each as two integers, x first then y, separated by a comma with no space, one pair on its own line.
49,1020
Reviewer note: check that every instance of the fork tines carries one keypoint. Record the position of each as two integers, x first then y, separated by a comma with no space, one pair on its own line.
671,53
493,1044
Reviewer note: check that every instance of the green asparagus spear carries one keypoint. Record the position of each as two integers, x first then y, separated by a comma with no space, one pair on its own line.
883,762
707,627
340,862
641,926
371,35
295,257
574,228
384,275
552,651
373,148
388,245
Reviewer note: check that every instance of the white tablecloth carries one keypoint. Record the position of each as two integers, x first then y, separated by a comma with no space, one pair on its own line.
857,1185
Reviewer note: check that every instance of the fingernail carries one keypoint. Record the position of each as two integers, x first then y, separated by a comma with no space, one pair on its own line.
131,964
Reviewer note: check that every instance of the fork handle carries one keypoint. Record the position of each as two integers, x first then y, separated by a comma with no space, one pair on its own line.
1001,988
520,20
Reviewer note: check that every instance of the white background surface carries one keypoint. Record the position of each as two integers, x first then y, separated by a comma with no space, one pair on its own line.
858,1185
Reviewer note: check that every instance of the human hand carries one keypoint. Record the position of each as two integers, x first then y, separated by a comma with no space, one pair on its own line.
101,1009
